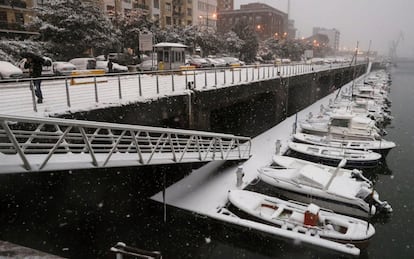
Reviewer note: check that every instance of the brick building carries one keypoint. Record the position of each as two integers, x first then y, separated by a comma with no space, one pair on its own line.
264,19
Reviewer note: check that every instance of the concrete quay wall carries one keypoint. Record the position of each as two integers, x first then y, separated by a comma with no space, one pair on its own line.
231,109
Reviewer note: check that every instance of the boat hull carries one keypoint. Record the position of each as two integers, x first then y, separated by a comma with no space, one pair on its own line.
350,164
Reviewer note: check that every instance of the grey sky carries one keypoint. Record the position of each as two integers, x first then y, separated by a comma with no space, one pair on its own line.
358,20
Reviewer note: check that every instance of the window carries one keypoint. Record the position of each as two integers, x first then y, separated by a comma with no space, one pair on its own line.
168,7
19,18
189,12
340,123
3,16
157,4
168,20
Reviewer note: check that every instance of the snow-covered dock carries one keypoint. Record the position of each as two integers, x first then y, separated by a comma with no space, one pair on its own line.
205,190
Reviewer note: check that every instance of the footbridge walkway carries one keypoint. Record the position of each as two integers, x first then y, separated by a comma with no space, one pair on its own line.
30,144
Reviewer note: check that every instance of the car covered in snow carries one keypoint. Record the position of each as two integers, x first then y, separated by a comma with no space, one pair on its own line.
46,68
9,71
84,63
62,68
147,65
116,68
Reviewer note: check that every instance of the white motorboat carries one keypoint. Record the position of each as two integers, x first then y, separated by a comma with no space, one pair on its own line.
333,155
341,190
302,219
379,146
342,125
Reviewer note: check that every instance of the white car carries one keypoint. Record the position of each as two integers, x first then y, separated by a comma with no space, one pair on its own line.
9,71
117,68
46,69
62,68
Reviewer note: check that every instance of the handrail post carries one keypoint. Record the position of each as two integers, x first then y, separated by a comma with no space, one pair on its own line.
67,92
158,86
139,84
119,87
194,77
186,79
205,78
172,81
232,75
215,77
33,95
96,89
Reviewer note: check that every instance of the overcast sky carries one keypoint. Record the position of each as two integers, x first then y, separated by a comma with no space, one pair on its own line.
357,20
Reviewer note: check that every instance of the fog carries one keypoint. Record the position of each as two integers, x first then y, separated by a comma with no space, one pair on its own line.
380,21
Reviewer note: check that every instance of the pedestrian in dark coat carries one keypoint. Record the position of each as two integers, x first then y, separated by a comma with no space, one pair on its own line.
110,66
35,66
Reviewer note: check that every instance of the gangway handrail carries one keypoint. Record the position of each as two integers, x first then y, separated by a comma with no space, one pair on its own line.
43,144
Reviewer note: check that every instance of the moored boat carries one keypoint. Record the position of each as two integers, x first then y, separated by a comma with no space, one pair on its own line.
341,190
379,146
332,155
303,219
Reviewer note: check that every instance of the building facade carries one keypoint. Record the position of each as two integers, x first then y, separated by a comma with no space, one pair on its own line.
14,15
225,5
205,13
332,34
262,18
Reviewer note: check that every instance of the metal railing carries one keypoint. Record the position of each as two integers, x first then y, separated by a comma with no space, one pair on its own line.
138,85
36,144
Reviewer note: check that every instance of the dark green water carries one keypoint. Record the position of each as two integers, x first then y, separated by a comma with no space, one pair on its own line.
80,215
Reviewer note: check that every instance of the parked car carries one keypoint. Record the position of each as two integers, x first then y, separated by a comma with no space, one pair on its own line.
9,71
46,68
84,63
198,62
216,62
62,68
117,68
231,61
147,65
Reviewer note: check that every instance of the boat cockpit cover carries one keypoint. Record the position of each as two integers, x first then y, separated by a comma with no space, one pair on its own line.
314,176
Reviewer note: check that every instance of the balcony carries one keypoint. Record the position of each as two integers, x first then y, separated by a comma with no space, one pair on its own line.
13,3
14,27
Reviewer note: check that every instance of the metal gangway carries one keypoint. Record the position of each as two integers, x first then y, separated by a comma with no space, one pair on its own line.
30,144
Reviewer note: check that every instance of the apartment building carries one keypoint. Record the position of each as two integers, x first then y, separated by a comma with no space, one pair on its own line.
13,17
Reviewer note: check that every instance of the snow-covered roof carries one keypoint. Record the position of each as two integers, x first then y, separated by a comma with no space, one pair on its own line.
169,44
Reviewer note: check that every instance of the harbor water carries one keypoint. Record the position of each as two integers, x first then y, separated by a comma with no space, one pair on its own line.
82,214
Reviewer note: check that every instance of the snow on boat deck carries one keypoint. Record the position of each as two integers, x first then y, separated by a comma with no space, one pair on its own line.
205,190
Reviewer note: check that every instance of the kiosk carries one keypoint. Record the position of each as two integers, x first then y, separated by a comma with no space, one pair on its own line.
170,56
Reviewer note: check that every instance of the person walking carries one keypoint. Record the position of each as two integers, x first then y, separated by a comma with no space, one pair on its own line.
35,66
110,66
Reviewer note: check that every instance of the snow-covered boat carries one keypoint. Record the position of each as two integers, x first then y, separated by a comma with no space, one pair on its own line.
302,219
332,155
342,125
380,146
341,190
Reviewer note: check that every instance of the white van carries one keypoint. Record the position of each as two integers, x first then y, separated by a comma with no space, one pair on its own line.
84,63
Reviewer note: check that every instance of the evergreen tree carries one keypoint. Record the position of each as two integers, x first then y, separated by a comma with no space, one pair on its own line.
73,27
251,42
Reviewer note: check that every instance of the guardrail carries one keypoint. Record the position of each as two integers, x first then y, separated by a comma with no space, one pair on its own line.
43,144
158,83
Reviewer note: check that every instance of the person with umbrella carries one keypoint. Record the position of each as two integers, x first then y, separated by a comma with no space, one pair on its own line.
35,65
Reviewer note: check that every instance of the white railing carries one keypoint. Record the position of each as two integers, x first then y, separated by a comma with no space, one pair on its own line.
132,87
44,144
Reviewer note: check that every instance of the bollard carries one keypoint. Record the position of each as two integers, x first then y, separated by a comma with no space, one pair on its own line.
278,146
239,175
